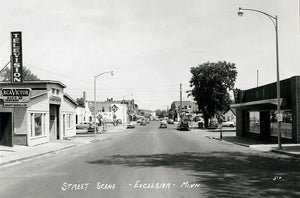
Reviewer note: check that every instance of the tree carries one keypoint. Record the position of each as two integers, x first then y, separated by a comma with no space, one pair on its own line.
211,83
172,112
27,75
80,102
161,113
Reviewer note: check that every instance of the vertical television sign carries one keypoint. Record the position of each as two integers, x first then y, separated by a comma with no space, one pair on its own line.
16,57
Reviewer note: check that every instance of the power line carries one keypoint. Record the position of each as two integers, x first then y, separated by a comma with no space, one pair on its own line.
5,66
59,74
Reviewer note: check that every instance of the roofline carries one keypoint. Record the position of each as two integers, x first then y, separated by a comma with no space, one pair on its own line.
38,95
281,80
36,82
71,99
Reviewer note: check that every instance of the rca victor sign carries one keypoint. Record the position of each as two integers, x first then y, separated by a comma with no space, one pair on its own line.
16,57
16,97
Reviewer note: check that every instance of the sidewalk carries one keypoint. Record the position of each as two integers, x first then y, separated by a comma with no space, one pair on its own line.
17,153
230,136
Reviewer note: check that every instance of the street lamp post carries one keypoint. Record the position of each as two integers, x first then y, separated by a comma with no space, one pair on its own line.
274,20
95,78
123,101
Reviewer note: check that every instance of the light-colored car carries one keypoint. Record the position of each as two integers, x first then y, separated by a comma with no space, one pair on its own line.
228,124
170,121
83,125
197,122
130,125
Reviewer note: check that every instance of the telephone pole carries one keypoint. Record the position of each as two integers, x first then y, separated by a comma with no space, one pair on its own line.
180,108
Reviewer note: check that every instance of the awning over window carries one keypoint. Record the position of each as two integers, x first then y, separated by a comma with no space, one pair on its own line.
260,104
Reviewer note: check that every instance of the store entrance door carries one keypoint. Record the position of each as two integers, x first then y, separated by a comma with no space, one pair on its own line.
54,122
6,128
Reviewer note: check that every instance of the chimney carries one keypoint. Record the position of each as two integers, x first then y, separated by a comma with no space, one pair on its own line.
84,98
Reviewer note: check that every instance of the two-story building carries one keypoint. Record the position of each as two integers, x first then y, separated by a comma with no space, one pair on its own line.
35,112
110,110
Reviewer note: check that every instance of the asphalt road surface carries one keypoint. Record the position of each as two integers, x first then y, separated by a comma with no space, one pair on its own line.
151,162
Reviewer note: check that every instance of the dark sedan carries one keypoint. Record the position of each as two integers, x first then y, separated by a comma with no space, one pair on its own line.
183,126
163,125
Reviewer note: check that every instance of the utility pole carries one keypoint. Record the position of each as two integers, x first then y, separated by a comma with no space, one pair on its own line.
180,108
256,78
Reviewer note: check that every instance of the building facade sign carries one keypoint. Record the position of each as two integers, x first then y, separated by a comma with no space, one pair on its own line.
12,105
55,100
16,57
16,97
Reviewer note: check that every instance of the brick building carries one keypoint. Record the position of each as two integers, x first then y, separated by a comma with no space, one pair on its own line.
256,111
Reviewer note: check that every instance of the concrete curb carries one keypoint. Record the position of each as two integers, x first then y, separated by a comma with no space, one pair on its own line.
286,153
53,151
272,150
98,140
36,155
240,144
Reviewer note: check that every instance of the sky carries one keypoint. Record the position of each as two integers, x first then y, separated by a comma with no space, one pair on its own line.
149,44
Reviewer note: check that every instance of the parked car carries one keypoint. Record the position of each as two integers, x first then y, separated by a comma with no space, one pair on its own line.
119,121
183,126
228,124
163,125
213,124
130,125
83,125
198,122
92,128
143,123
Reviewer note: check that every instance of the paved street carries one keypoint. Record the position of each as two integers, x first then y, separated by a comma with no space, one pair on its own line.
151,162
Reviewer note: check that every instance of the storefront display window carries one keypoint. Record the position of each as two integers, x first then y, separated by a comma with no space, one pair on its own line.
254,122
69,120
286,124
37,124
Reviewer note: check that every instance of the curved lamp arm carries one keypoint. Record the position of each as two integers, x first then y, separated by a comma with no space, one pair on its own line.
272,18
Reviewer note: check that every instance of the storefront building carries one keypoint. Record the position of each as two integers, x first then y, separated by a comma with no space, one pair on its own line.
256,111
110,110
47,115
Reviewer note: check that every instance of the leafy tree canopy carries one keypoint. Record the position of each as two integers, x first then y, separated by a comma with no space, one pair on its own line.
80,102
211,83
27,74
161,113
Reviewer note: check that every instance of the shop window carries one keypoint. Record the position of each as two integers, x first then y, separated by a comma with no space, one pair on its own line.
37,124
286,124
254,122
69,120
